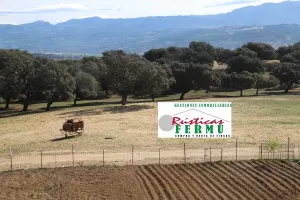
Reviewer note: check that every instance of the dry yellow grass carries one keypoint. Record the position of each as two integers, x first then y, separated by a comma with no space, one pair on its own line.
272,61
217,66
255,119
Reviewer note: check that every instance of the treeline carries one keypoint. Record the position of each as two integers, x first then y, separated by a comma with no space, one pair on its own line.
27,78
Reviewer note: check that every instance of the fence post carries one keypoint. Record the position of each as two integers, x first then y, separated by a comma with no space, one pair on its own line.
288,148
236,149
210,154
221,154
293,151
159,156
73,155
259,152
11,163
55,158
103,158
41,159
298,151
184,153
261,157
132,155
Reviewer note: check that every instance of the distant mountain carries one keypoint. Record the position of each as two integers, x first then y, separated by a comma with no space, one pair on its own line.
274,23
286,12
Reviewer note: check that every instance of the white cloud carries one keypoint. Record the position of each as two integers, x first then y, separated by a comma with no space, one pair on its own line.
233,2
218,3
61,6
58,8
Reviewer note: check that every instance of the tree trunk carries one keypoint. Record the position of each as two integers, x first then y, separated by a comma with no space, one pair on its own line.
207,89
49,103
27,100
75,100
256,91
289,87
152,96
182,95
286,90
25,105
124,99
7,101
241,94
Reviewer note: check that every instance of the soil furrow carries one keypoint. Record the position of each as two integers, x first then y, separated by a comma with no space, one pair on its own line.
288,168
149,189
223,177
255,185
234,180
190,186
200,183
286,173
172,194
161,191
262,168
273,186
244,183
205,170
285,178
213,187
176,186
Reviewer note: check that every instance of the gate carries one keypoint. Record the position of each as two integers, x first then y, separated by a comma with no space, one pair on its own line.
213,154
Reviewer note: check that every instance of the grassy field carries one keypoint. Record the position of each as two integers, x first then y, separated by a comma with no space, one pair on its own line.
255,119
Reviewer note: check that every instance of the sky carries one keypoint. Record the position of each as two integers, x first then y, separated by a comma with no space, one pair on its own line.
55,11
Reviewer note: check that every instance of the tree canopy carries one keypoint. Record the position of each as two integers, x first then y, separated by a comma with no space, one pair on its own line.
29,79
222,55
244,63
55,82
203,47
243,80
264,51
86,86
17,72
130,74
288,74
190,76
263,81
245,52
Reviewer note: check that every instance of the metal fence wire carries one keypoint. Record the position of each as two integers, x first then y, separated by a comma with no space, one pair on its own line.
144,156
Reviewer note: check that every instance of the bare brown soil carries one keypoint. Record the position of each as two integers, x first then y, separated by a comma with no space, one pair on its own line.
268,180
72,183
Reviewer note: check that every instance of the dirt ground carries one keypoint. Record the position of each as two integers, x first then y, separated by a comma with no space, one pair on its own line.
72,183
270,180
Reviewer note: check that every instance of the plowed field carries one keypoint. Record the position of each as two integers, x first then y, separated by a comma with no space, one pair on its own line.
270,180
227,180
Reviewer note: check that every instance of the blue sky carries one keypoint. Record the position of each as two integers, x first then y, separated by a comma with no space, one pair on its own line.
54,11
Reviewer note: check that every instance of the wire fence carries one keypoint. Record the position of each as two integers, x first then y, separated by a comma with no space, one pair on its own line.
144,156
